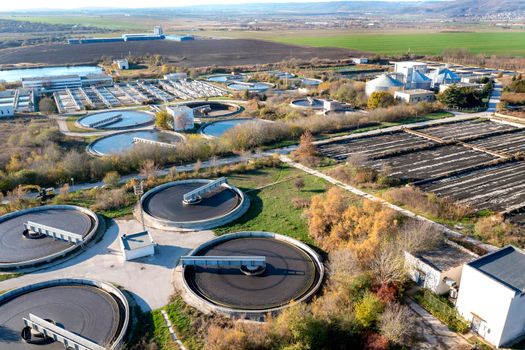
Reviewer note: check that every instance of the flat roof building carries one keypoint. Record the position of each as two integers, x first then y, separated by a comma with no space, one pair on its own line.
137,245
55,83
121,64
415,96
439,269
492,296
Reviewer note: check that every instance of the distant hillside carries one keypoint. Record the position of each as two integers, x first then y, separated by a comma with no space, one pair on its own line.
470,8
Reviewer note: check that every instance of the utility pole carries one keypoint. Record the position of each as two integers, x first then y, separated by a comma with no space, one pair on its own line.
139,191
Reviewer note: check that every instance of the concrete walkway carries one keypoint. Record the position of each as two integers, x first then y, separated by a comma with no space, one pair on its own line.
432,333
495,97
149,279
171,330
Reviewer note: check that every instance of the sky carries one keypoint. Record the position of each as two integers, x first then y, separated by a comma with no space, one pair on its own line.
73,4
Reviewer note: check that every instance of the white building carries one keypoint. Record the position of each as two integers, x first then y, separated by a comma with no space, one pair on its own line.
137,245
443,76
439,270
444,87
415,96
176,76
121,64
492,296
183,117
60,82
413,74
6,109
157,30
383,83
360,60
331,105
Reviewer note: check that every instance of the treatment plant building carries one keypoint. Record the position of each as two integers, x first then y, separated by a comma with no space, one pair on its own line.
492,296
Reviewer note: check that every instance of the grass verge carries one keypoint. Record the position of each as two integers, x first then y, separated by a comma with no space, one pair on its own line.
272,191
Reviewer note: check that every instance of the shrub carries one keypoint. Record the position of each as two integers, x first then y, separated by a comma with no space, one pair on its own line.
397,324
163,120
112,199
111,178
443,310
426,203
300,203
368,310
495,230
47,105
380,99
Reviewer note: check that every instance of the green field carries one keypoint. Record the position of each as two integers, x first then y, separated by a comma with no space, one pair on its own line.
105,22
506,44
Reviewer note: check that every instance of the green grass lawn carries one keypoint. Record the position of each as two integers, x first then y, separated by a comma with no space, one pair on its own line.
508,44
6,276
271,207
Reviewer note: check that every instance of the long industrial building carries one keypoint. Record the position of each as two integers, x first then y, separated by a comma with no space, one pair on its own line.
158,34
55,83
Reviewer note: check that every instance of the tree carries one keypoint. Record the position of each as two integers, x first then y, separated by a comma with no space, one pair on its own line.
307,152
397,323
381,99
162,120
47,105
148,169
111,178
460,97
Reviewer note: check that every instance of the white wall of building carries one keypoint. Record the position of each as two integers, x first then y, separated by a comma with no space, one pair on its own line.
7,110
183,118
138,253
491,301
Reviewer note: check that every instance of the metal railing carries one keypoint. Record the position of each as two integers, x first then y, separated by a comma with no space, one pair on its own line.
70,340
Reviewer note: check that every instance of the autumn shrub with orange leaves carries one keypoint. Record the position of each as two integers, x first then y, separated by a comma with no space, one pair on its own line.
336,220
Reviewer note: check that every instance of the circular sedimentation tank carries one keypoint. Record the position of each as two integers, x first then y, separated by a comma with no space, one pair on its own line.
19,249
305,103
164,207
293,273
218,128
123,141
252,87
94,310
310,82
116,120
218,109
224,78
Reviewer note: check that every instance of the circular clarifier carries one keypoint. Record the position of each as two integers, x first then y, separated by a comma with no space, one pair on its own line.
293,272
164,206
92,310
116,119
18,249
123,142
